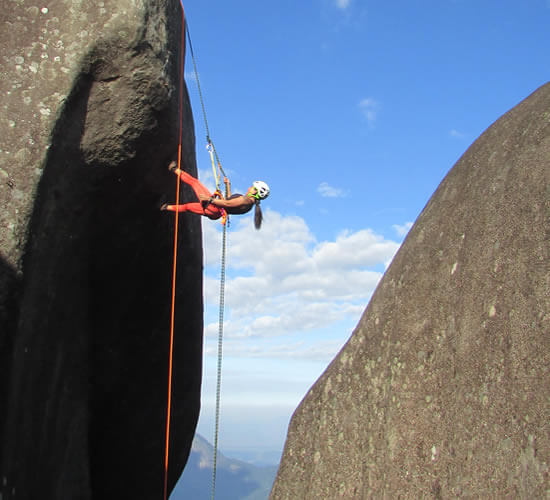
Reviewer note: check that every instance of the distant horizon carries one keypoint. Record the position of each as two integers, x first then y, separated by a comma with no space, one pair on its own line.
247,453
269,438
235,477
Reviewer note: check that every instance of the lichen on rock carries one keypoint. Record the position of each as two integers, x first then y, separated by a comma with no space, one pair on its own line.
453,349
90,93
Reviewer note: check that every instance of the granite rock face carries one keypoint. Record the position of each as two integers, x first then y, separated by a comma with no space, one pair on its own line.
89,100
443,390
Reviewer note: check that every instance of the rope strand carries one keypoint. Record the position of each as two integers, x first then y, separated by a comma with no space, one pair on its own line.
220,357
203,107
174,271
222,277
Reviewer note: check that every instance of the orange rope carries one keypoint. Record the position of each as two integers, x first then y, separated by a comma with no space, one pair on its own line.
173,309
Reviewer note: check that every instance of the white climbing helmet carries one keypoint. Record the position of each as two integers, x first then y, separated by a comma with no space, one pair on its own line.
262,189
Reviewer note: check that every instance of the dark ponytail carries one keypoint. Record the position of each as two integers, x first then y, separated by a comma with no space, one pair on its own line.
258,216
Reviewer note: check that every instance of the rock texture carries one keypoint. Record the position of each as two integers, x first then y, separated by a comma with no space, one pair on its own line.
443,390
89,100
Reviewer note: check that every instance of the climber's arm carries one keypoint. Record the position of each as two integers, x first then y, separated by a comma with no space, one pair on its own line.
234,202
227,187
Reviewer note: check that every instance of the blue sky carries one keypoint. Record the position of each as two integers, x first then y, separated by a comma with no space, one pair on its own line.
352,111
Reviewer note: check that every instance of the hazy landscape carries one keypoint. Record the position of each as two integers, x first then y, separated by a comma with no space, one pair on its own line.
235,479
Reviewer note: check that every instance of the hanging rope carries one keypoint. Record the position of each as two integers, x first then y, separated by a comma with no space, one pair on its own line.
173,306
217,178
203,107
220,357
214,153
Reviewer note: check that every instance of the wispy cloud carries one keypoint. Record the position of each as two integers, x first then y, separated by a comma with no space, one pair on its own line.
369,108
402,230
328,191
342,4
455,133
320,351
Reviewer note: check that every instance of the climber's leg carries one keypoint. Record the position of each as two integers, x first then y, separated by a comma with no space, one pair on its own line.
197,186
211,212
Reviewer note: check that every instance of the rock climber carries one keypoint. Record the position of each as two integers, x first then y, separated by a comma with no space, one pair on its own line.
211,207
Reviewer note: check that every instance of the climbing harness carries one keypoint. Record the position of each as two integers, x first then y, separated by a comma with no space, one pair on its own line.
217,176
225,221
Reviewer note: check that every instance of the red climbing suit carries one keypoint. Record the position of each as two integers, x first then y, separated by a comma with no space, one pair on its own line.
211,211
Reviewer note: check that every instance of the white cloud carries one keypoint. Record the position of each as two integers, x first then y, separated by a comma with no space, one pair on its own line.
343,4
206,177
402,230
354,250
281,281
369,108
292,302
319,351
456,134
327,191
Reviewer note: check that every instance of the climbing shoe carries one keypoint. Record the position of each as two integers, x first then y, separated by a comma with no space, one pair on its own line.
173,166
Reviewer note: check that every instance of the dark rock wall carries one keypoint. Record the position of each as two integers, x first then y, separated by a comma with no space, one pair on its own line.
443,390
91,96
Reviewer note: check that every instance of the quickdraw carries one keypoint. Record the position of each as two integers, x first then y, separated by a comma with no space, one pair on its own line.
217,176
210,149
